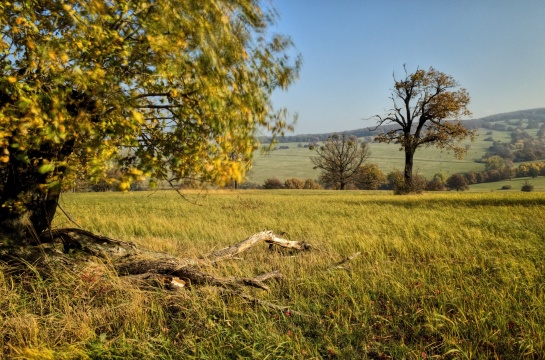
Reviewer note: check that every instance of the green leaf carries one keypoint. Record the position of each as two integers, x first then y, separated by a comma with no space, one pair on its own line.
46,168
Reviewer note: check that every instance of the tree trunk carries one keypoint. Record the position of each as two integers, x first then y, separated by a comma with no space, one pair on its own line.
27,201
22,184
408,173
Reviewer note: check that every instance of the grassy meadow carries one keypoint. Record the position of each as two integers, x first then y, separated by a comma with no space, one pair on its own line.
444,275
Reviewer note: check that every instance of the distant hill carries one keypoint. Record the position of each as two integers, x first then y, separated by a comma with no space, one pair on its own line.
532,115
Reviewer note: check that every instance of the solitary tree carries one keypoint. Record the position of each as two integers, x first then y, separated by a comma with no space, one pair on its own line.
163,88
426,111
339,158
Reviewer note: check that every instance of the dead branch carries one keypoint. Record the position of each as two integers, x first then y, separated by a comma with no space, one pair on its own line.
147,269
151,268
264,236
340,264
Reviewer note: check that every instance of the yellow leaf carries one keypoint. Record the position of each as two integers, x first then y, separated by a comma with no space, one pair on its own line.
124,186
138,116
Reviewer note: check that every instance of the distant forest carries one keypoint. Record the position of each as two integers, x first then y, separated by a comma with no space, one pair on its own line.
535,118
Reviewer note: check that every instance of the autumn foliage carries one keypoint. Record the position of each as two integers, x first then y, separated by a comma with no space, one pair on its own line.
168,89
426,111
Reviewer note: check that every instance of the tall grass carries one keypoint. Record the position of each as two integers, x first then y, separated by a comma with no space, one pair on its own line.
445,275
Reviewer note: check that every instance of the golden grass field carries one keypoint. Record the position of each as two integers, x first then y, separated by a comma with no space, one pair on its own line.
446,275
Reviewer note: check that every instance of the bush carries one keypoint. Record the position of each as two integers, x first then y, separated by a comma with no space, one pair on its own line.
312,185
435,185
369,177
250,185
418,186
294,184
506,187
527,187
273,183
471,177
457,182
394,180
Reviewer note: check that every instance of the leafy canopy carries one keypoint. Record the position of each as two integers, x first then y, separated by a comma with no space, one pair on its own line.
165,88
423,102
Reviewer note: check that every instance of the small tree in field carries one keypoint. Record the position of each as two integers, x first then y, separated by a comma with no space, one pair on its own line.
339,158
423,102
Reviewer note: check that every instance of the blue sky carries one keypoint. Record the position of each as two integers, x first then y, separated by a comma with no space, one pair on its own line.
350,48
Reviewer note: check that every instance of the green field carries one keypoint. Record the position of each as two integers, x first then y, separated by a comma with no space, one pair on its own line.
295,161
516,184
449,275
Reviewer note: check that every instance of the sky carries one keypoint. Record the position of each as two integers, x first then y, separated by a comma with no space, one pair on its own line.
351,48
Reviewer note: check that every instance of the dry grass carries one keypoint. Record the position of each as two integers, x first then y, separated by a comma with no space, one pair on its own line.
445,275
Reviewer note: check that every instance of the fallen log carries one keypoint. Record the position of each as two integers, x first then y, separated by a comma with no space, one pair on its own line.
149,268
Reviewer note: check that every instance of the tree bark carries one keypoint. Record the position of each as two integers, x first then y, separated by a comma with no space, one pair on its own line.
22,183
27,202
408,172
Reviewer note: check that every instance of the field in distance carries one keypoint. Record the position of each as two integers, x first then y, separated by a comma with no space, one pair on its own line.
451,275
294,162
